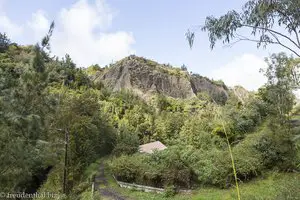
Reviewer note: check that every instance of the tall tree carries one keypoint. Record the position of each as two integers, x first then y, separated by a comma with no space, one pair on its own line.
79,124
23,112
283,79
268,21
24,106
4,42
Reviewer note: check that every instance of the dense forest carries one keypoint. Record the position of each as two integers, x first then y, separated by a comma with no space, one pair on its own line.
56,121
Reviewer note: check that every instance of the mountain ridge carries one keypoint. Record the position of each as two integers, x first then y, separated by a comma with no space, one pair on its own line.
146,77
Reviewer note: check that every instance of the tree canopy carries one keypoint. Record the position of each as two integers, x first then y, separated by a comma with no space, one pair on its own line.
269,22
4,42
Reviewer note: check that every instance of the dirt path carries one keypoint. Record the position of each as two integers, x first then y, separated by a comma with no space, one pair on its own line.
101,185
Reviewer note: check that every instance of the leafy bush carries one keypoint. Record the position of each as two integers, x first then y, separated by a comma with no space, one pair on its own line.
168,126
276,149
248,160
170,191
214,168
175,170
93,69
127,168
158,169
127,143
193,133
186,164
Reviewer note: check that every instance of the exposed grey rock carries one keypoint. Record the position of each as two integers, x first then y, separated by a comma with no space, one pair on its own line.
146,77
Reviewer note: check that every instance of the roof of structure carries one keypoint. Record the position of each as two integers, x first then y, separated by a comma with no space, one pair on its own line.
150,147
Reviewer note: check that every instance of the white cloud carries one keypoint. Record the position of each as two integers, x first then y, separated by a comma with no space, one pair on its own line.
80,30
244,71
80,34
10,28
39,24
6,25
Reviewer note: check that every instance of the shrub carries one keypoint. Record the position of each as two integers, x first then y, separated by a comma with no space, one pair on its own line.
214,168
170,191
168,126
187,164
248,161
158,169
127,168
127,143
193,133
276,149
175,170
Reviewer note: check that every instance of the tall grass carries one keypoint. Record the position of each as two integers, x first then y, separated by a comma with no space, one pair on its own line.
232,163
219,115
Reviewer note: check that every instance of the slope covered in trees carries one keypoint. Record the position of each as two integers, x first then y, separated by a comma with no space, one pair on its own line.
50,120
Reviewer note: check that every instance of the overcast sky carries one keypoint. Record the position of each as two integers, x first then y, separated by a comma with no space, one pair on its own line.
99,31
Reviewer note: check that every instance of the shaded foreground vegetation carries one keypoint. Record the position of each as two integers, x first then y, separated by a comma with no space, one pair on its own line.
276,186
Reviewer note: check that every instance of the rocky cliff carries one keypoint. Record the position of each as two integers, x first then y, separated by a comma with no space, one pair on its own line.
146,77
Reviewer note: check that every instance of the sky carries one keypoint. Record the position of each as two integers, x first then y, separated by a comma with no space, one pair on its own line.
104,31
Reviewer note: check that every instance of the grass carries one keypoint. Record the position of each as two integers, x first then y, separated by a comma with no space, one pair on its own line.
273,186
233,165
270,188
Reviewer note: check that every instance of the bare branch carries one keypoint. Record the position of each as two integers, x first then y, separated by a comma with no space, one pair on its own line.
293,27
278,42
275,32
244,38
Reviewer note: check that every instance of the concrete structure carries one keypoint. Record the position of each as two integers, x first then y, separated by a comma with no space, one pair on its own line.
150,147
145,188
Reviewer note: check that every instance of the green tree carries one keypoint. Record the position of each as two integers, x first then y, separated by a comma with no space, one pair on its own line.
283,79
23,113
277,147
126,143
261,18
193,133
79,125
161,102
183,67
168,126
4,42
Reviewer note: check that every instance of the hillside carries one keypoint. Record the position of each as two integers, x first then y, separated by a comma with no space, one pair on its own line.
137,129
64,124
146,77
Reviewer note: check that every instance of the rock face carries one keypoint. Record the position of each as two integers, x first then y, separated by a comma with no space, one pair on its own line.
217,91
241,93
146,77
